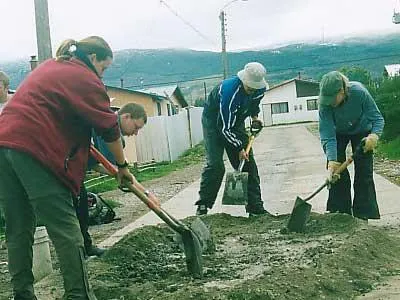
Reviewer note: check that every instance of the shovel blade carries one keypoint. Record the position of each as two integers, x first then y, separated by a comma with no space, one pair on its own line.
202,232
299,216
235,192
193,253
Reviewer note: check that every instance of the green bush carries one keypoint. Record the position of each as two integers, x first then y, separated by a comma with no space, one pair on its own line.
390,149
388,101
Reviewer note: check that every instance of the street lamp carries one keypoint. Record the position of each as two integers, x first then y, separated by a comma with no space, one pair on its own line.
223,38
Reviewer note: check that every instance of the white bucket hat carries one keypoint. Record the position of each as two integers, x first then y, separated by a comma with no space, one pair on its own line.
253,75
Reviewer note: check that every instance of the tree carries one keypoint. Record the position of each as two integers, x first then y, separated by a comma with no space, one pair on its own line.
388,101
357,74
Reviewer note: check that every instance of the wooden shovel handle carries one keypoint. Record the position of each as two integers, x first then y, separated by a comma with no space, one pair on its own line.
165,216
250,144
344,165
114,171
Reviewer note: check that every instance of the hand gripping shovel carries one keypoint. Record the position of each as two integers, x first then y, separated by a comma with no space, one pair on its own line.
193,242
301,210
235,192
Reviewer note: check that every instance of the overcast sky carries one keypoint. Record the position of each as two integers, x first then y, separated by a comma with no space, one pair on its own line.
129,24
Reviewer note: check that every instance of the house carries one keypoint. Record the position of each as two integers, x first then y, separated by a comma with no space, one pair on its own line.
294,100
391,70
154,105
172,93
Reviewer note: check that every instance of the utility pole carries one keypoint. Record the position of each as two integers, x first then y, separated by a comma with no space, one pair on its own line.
223,40
205,92
42,30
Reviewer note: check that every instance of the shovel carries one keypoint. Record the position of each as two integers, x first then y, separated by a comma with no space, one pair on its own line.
301,210
194,239
235,192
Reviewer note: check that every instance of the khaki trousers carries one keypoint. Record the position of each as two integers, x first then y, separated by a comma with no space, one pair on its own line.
29,191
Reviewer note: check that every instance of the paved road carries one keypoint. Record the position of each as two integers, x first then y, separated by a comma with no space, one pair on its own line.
291,163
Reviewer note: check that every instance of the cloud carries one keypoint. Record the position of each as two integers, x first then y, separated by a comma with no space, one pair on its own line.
151,24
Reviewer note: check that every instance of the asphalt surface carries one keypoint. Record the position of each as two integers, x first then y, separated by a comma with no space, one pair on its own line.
291,163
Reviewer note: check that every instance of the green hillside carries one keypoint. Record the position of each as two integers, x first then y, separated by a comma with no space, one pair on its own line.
153,67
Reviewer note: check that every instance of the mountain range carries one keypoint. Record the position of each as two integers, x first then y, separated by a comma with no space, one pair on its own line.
194,70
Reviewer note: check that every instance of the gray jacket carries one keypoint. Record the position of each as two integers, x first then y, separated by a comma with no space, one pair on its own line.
358,114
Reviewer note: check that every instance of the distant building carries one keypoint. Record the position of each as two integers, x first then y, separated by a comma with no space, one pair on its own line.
173,93
154,105
160,101
391,71
294,100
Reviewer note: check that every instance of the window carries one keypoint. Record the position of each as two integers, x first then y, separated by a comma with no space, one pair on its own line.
312,104
169,109
280,108
159,108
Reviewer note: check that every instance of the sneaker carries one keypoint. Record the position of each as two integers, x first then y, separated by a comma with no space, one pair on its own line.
95,251
201,210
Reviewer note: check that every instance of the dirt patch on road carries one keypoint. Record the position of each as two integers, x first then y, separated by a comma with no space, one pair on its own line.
338,257
129,209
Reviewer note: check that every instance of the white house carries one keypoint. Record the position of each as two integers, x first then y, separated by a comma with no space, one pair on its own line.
291,101
391,70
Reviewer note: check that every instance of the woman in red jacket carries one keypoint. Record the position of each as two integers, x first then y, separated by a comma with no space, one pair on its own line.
44,142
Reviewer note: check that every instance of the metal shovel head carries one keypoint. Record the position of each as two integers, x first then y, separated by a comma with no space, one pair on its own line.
235,192
299,216
193,253
202,232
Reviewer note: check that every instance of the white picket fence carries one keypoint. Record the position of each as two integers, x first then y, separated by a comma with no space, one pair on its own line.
165,138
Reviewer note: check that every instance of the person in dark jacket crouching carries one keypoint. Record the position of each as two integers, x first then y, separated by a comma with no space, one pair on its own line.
225,111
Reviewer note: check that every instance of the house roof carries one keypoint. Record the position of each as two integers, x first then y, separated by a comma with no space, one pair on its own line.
155,97
167,91
393,70
304,88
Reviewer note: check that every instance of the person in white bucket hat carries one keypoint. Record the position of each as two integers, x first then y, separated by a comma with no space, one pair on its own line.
227,107
253,76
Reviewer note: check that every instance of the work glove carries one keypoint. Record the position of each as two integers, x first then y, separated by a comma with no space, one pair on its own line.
256,124
370,142
332,177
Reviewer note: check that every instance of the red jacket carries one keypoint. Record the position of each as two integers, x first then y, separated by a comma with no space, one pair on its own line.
51,116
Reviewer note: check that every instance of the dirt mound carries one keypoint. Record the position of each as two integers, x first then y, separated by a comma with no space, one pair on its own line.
337,258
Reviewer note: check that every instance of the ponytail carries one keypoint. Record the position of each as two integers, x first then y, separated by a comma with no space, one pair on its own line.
66,49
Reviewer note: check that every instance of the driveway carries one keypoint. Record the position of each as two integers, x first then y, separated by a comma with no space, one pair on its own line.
291,163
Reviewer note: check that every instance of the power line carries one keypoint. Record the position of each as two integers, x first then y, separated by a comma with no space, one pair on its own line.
270,72
175,82
187,22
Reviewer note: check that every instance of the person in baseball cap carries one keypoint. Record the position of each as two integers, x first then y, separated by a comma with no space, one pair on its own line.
349,114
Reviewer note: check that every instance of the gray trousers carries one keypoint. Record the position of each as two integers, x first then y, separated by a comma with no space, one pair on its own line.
29,191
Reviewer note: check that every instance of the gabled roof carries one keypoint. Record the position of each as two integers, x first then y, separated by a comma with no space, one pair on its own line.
393,70
167,91
304,88
155,97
